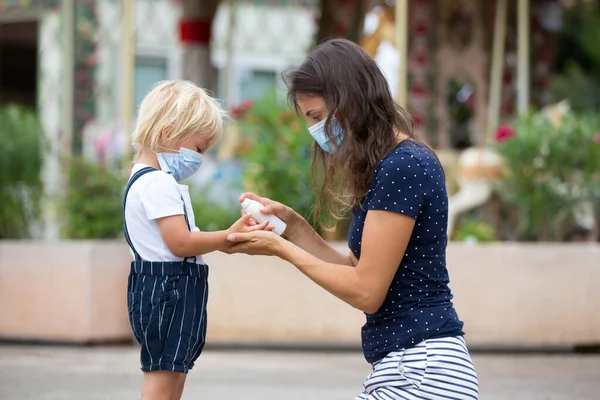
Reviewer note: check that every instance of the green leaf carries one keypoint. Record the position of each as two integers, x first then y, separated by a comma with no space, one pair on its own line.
550,171
21,160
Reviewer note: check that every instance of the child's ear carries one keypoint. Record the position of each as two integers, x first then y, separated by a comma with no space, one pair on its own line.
164,135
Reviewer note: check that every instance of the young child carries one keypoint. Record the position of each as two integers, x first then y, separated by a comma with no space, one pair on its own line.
168,288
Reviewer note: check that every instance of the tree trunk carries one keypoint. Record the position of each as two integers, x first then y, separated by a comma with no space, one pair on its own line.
341,18
325,21
356,30
195,30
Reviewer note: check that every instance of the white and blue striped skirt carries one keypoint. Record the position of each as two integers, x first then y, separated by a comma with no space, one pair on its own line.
433,369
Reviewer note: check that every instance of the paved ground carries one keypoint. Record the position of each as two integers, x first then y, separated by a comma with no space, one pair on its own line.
67,373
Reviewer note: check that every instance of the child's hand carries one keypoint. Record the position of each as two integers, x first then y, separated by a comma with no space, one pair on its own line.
242,226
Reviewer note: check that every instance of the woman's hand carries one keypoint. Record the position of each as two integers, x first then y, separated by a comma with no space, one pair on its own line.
297,231
257,243
285,213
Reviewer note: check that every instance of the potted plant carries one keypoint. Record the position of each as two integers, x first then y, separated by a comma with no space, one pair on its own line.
551,163
21,159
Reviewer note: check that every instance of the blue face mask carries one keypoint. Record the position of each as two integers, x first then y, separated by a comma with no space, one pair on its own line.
181,165
317,131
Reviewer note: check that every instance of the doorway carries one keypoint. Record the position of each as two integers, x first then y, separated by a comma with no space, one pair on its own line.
18,63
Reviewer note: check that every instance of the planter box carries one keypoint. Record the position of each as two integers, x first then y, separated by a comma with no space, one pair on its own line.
527,295
66,291
508,294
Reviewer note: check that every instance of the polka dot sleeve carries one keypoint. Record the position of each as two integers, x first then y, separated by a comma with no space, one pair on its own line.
400,185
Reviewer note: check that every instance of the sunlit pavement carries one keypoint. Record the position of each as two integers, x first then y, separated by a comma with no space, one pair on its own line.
56,372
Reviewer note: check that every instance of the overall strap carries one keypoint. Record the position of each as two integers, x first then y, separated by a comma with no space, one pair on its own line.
187,222
132,180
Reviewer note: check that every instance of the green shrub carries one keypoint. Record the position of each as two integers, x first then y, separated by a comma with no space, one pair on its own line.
211,215
579,58
93,202
581,88
550,171
472,229
21,160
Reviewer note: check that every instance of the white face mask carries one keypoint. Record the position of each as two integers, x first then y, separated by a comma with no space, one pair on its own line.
317,131
181,164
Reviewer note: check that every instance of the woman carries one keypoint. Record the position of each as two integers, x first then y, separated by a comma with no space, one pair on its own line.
396,269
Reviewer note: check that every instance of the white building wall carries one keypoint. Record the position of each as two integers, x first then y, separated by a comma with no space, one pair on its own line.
155,32
157,55
265,38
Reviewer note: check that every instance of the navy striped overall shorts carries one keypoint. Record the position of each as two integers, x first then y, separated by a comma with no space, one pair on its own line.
166,302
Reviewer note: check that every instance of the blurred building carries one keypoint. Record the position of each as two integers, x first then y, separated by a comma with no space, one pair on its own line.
266,38
71,59
449,53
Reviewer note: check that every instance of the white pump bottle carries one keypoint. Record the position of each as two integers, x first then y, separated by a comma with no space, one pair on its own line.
253,207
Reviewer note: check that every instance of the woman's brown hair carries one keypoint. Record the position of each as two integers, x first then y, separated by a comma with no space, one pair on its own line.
356,92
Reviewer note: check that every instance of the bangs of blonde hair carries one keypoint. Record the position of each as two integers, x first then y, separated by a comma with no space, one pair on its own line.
173,111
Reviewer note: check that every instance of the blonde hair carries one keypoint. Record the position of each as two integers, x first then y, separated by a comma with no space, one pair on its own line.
173,111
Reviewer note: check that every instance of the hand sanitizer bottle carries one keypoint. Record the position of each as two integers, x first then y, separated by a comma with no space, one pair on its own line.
253,207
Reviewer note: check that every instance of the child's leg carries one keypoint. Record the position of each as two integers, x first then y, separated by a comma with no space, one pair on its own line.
162,385
181,384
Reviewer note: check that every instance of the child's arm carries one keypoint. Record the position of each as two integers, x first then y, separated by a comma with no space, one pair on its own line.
184,243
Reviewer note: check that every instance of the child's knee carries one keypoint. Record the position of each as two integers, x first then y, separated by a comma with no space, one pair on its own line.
162,385
180,386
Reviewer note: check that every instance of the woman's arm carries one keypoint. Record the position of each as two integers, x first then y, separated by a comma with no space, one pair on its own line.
305,237
384,241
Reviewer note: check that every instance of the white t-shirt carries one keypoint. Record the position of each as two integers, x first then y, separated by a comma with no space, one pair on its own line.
155,195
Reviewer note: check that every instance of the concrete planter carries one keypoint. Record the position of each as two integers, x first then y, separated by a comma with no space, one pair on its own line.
527,295
66,291
508,294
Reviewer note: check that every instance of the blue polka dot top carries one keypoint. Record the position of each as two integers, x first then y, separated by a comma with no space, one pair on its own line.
418,305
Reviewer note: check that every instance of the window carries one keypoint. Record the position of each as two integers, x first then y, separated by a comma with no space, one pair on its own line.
148,71
256,84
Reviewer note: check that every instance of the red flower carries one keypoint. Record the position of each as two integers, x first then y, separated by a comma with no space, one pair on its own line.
470,101
236,112
420,28
246,104
239,111
418,89
421,58
91,60
504,132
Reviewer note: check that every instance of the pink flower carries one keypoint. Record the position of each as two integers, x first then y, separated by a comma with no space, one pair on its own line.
101,145
597,138
81,76
239,111
91,60
504,132
246,104
236,112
